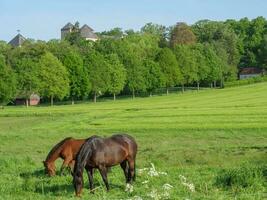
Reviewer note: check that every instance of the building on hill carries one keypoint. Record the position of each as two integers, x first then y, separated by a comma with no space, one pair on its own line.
249,72
17,41
86,32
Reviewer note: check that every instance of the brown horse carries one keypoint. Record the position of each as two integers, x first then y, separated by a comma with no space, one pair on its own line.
102,153
66,149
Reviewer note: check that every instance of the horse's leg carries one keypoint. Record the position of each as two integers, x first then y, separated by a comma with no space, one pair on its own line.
134,177
65,164
90,173
103,172
125,170
130,170
71,166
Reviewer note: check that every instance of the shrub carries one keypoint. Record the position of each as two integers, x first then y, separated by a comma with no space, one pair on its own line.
242,177
246,81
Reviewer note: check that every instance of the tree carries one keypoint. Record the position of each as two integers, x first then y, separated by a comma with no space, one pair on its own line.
215,65
170,68
7,82
203,69
154,76
117,75
69,56
187,64
263,52
78,75
182,34
27,78
98,73
115,32
158,31
53,76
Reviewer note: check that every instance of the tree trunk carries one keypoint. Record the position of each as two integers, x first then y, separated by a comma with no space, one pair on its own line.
72,101
197,86
211,85
52,100
114,96
215,84
150,94
222,83
95,97
167,91
133,94
27,103
183,88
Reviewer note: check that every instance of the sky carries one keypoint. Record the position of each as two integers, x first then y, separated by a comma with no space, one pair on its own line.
43,19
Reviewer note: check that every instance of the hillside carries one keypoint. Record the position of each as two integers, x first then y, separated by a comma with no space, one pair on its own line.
196,135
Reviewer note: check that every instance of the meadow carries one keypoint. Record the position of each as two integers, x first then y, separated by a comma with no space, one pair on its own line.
210,144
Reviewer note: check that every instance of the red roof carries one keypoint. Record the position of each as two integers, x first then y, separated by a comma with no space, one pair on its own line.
250,70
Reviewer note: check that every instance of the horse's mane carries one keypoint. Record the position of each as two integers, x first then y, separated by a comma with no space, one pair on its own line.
83,154
57,146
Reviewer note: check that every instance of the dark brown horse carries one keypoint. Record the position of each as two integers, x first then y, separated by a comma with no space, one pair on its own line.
66,149
102,153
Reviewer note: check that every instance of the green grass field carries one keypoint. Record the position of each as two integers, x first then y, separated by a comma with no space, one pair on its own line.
216,139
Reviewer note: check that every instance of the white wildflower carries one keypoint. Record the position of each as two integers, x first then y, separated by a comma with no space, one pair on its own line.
190,186
145,182
129,188
167,186
154,195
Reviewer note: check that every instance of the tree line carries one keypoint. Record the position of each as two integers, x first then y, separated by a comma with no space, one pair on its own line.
207,53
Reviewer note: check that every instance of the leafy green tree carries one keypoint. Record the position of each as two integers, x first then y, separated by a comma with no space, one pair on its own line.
79,81
154,76
70,57
263,53
135,74
53,76
115,33
117,75
182,34
215,65
170,68
7,82
158,31
203,69
187,64
98,73
27,78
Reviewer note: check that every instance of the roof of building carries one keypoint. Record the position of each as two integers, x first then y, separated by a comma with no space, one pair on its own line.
18,40
68,26
85,26
87,32
250,70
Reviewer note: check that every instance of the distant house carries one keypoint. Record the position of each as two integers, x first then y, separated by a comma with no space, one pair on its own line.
249,72
33,101
86,32
17,41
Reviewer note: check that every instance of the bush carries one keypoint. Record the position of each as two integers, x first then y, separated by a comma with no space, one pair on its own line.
246,81
243,177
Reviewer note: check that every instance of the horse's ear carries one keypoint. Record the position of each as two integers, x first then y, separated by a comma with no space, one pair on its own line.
43,161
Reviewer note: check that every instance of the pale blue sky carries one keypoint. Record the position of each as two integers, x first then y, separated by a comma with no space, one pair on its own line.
42,19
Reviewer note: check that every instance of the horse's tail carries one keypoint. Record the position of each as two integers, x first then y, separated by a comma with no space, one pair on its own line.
84,153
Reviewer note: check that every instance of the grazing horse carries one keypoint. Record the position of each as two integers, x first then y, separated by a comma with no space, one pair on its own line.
102,153
66,149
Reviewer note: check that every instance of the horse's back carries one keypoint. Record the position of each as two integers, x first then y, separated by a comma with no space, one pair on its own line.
127,141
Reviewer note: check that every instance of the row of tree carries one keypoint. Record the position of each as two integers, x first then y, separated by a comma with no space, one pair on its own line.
205,53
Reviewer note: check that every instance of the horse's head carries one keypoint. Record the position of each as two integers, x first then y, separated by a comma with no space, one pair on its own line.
50,168
78,183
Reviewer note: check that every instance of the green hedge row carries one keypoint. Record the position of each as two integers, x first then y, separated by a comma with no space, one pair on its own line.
248,81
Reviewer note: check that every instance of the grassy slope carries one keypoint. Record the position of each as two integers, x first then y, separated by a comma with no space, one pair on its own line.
194,134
